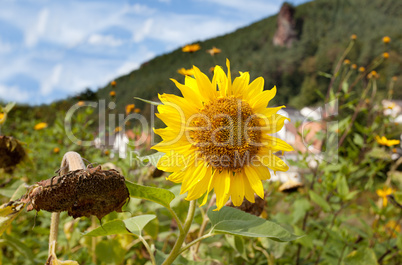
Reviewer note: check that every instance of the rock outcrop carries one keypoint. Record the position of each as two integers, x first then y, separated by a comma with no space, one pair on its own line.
285,33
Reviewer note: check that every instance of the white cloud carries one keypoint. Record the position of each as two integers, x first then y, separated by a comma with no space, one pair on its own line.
49,83
139,9
106,40
141,32
13,93
32,35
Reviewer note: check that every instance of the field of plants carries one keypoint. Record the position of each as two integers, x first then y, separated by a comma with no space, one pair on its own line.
73,193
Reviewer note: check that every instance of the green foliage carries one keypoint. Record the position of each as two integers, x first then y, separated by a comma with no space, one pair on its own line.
235,222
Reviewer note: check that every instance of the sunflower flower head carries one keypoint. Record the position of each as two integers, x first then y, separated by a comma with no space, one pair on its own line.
217,136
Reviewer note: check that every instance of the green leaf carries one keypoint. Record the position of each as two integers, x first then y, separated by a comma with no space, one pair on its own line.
8,107
132,225
342,186
19,246
153,159
300,207
320,201
237,243
363,256
110,251
149,101
358,139
136,224
329,76
345,87
158,195
8,213
110,228
232,221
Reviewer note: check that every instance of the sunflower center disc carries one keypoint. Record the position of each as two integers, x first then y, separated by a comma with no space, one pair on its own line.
227,133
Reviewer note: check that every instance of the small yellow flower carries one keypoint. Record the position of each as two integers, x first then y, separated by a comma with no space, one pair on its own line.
353,37
81,103
346,61
3,117
384,141
118,129
137,110
373,74
385,55
394,150
367,100
392,228
112,93
113,83
40,126
354,66
214,51
106,152
362,69
184,71
56,150
130,108
383,193
394,78
386,39
191,48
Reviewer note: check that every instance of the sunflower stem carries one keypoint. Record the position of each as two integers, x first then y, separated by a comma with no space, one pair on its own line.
182,236
198,240
151,254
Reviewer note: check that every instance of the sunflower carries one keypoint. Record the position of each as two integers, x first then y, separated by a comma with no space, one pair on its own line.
217,136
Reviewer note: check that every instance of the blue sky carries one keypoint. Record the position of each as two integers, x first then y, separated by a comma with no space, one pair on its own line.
53,49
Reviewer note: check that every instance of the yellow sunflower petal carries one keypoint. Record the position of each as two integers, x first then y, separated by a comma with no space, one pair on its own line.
248,190
272,161
276,144
178,103
190,94
240,84
229,80
236,189
260,102
204,85
194,177
262,172
255,88
210,187
254,180
220,81
221,184
200,188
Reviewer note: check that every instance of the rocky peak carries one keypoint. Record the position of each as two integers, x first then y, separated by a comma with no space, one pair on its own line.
285,33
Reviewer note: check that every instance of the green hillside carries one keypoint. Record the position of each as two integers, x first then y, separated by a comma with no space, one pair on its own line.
325,27
324,30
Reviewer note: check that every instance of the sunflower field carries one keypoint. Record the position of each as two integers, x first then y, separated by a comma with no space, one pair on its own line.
207,177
